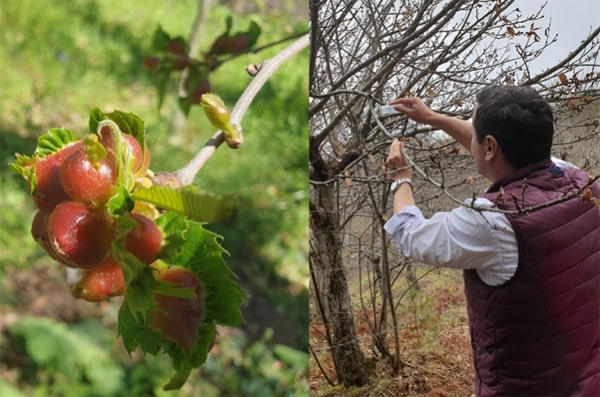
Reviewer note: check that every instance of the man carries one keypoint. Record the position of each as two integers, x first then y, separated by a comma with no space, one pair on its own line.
532,281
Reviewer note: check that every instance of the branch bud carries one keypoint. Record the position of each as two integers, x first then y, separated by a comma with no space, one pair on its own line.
218,115
235,139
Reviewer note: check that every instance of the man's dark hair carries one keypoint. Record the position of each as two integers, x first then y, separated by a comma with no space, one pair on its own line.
520,120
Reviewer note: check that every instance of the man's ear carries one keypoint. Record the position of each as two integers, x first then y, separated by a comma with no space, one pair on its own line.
492,148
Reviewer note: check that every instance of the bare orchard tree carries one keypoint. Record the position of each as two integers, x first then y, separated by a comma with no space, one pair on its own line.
365,53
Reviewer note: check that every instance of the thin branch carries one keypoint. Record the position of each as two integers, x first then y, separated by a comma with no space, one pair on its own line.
559,65
320,366
187,174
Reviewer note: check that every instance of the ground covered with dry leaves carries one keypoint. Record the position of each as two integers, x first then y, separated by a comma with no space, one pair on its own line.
435,346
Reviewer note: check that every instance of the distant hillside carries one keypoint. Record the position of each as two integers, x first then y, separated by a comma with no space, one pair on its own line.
577,136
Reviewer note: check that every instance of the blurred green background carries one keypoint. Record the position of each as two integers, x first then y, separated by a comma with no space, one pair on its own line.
61,58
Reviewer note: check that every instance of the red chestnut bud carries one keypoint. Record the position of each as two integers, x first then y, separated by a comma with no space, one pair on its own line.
182,62
144,240
201,89
99,283
175,47
179,318
80,236
151,63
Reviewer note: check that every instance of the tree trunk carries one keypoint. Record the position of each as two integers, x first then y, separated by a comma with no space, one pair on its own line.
326,253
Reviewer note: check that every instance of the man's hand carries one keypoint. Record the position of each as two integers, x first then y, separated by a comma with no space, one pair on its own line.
415,109
397,160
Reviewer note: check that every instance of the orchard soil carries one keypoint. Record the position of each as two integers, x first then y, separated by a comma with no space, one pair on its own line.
436,350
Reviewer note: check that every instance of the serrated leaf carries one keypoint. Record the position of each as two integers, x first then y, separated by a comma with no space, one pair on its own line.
128,123
202,254
22,167
136,334
126,328
201,206
53,141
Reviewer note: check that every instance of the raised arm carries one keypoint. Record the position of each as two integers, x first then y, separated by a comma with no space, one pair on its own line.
416,110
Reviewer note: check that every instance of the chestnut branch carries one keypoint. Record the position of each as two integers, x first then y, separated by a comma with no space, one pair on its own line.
188,172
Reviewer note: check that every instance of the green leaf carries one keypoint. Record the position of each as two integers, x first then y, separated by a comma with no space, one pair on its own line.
253,33
22,166
161,82
296,359
140,280
173,228
206,339
178,380
120,203
160,40
202,206
53,141
136,334
161,75
128,123
185,104
96,117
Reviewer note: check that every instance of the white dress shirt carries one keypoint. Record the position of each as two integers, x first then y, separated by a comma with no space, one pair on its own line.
460,239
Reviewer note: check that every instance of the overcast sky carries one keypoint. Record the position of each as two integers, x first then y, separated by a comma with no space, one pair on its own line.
572,20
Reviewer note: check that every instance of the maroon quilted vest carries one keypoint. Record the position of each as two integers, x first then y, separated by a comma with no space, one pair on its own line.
539,333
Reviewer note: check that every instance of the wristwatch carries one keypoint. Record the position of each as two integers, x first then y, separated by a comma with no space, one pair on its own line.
396,184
